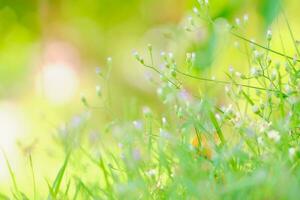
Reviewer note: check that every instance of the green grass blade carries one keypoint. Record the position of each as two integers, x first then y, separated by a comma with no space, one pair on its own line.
217,127
58,180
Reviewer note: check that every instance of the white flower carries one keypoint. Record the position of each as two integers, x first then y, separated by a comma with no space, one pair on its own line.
164,121
195,10
292,152
109,59
98,71
274,135
238,74
137,124
269,35
264,126
260,140
151,172
238,21
98,90
231,69
255,109
146,110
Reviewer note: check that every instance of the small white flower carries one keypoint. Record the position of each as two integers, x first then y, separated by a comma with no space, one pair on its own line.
260,140
238,74
98,90
218,117
274,135
253,71
159,91
227,88
146,110
109,59
257,54
228,109
151,172
292,152
238,21
255,109
98,71
137,124
195,10
269,35
164,121
264,126
231,69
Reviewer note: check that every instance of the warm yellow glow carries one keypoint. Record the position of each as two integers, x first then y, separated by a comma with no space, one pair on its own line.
60,82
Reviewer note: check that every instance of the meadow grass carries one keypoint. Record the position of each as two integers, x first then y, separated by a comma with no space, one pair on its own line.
194,148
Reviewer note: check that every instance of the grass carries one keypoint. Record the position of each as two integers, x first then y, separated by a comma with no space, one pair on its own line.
194,148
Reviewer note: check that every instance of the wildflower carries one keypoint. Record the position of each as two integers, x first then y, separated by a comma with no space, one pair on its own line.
159,91
138,57
164,121
292,152
163,133
136,153
257,55
190,57
269,35
273,75
295,59
98,90
151,172
196,11
98,71
238,21
238,74
146,111
264,126
184,96
109,60
228,110
227,89
260,140
137,124
255,109
274,135
231,69
218,117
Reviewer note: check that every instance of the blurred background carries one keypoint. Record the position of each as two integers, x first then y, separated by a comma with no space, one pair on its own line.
50,50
